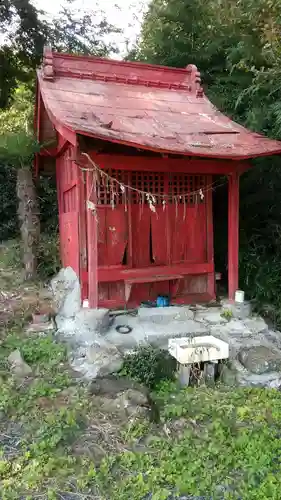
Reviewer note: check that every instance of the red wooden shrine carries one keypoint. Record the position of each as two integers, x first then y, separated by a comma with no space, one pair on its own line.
114,131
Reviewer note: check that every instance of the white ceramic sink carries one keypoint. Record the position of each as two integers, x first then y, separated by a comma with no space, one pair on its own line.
189,350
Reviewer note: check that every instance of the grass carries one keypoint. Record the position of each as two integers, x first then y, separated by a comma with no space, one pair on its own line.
18,299
215,443
57,443
49,413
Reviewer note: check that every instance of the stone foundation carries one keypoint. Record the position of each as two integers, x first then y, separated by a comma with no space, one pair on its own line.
98,348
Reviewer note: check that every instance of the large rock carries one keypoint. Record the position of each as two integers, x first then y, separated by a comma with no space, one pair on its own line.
67,293
260,359
85,327
123,405
245,378
112,385
89,321
100,359
273,337
119,396
256,324
235,333
18,366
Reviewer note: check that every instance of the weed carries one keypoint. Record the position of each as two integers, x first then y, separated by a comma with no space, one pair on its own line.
36,350
211,442
227,314
149,365
206,441
10,254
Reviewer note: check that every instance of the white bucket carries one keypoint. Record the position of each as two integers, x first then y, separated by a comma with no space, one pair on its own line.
85,304
239,296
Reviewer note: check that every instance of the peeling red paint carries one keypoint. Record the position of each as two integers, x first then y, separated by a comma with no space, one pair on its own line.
153,107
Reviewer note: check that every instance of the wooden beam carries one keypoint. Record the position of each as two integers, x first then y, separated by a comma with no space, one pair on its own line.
92,241
111,274
233,234
244,166
45,151
163,164
156,149
56,151
193,298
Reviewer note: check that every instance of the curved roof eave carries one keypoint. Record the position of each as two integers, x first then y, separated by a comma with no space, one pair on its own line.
172,116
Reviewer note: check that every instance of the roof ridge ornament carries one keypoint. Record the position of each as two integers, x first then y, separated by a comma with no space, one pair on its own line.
195,80
48,64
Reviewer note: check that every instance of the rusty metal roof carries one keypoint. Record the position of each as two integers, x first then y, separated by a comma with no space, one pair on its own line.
151,107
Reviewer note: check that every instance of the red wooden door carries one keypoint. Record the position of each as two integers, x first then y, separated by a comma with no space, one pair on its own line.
188,223
113,237
187,218
150,240
112,246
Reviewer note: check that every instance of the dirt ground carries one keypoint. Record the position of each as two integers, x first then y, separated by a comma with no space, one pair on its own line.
18,300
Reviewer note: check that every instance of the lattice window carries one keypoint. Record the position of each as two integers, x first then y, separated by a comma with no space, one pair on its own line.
178,187
180,184
148,182
108,192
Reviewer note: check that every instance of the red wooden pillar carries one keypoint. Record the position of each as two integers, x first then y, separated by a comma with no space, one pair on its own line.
233,234
83,235
210,238
92,239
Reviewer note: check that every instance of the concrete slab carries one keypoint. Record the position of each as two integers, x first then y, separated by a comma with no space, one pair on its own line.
212,315
163,315
160,334
129,341
151,333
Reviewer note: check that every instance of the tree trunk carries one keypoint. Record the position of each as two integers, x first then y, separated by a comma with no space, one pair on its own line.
28,213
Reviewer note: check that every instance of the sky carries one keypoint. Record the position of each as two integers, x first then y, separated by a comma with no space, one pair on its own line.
124,14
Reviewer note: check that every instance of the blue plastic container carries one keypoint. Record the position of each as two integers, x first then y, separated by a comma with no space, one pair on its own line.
162,301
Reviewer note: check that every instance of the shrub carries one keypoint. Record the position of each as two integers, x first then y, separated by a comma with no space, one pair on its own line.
8,203
48,255
149,365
